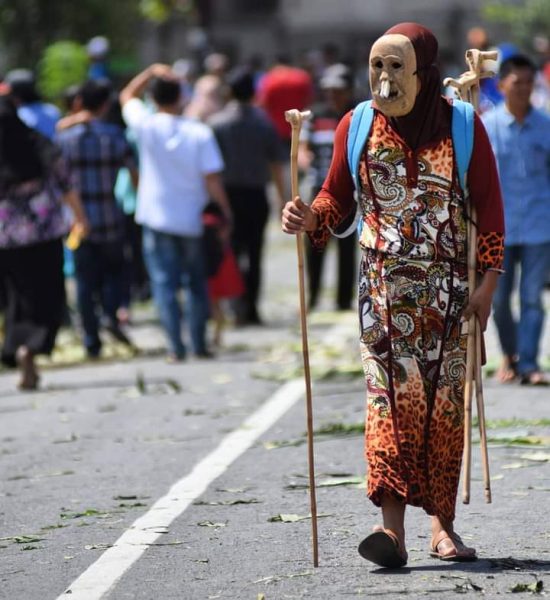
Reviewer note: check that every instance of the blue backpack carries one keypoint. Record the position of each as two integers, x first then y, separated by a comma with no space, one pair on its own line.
462,133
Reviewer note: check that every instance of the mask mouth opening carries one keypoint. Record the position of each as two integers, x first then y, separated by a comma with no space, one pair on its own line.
386,92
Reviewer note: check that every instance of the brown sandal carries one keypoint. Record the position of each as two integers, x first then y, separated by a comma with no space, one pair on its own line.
447,546
535,378
383,549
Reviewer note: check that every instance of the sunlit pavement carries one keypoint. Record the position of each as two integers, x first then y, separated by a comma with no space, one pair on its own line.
93,451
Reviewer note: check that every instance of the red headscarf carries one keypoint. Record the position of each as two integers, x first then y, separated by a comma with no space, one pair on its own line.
430,118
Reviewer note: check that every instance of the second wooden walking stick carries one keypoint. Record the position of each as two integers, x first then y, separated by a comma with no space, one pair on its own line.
295,118
467,87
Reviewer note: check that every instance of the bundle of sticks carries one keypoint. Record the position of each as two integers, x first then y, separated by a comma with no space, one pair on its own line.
467,89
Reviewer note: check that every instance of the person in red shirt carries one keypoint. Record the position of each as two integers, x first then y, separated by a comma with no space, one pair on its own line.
282,88
413,288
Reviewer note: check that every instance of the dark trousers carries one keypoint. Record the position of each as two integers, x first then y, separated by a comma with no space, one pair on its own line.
347,274
34,294
250,213
99,277
135,285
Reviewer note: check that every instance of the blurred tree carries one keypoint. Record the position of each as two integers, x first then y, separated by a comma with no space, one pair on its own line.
63,64
28,26
159,11
525,19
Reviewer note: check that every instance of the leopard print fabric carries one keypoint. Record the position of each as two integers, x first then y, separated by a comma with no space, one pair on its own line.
414,434
413,288
328,219
490,251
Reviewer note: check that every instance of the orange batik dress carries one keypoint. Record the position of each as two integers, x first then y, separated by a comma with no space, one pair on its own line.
412,290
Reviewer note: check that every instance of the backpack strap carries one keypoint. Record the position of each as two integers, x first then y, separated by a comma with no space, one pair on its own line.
359,129
462,131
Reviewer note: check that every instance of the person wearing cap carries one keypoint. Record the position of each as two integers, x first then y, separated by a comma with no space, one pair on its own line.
251,154
315,154
413,284
31,109
98,51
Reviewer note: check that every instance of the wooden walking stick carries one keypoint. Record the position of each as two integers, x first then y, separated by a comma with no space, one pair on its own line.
467,86
295,118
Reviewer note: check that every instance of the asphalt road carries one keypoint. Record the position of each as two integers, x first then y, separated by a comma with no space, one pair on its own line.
195,468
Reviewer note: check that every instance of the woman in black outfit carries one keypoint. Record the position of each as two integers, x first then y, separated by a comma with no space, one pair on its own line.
33,181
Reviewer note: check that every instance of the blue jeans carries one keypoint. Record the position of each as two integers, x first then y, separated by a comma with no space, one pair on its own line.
174,262
98,275
521,338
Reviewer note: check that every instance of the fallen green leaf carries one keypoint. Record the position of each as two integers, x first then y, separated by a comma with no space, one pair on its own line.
22,539
226,502
100,546
341,429
537,456
89,512
284,444
525,440
211,524
337,481
535,587
291,518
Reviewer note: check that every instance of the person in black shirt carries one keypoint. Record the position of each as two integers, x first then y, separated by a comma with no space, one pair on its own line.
316,145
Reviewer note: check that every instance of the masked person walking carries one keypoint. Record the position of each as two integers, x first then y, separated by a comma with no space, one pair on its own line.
413,290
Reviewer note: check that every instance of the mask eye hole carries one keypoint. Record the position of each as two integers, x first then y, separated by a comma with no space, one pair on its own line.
378,64
396,65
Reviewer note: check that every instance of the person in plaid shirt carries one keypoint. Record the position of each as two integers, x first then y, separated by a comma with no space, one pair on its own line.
95,152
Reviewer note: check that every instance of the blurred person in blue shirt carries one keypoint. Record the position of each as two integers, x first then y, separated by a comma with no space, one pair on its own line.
31,109
520,136
98,51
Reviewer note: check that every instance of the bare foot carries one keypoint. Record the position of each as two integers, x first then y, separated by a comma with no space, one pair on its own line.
507,372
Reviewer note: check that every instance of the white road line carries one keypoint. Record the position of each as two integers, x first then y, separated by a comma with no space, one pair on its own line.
102,575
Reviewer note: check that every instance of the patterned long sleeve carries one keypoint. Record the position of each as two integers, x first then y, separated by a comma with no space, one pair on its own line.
484,186
334,203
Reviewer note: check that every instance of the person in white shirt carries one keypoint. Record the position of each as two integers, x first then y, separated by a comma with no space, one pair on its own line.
180,169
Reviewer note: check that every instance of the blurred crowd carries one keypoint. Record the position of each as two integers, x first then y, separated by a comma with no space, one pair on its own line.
164,184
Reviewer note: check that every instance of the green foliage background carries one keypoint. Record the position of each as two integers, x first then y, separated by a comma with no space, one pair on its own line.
49,36
63,64
525,19
27,27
